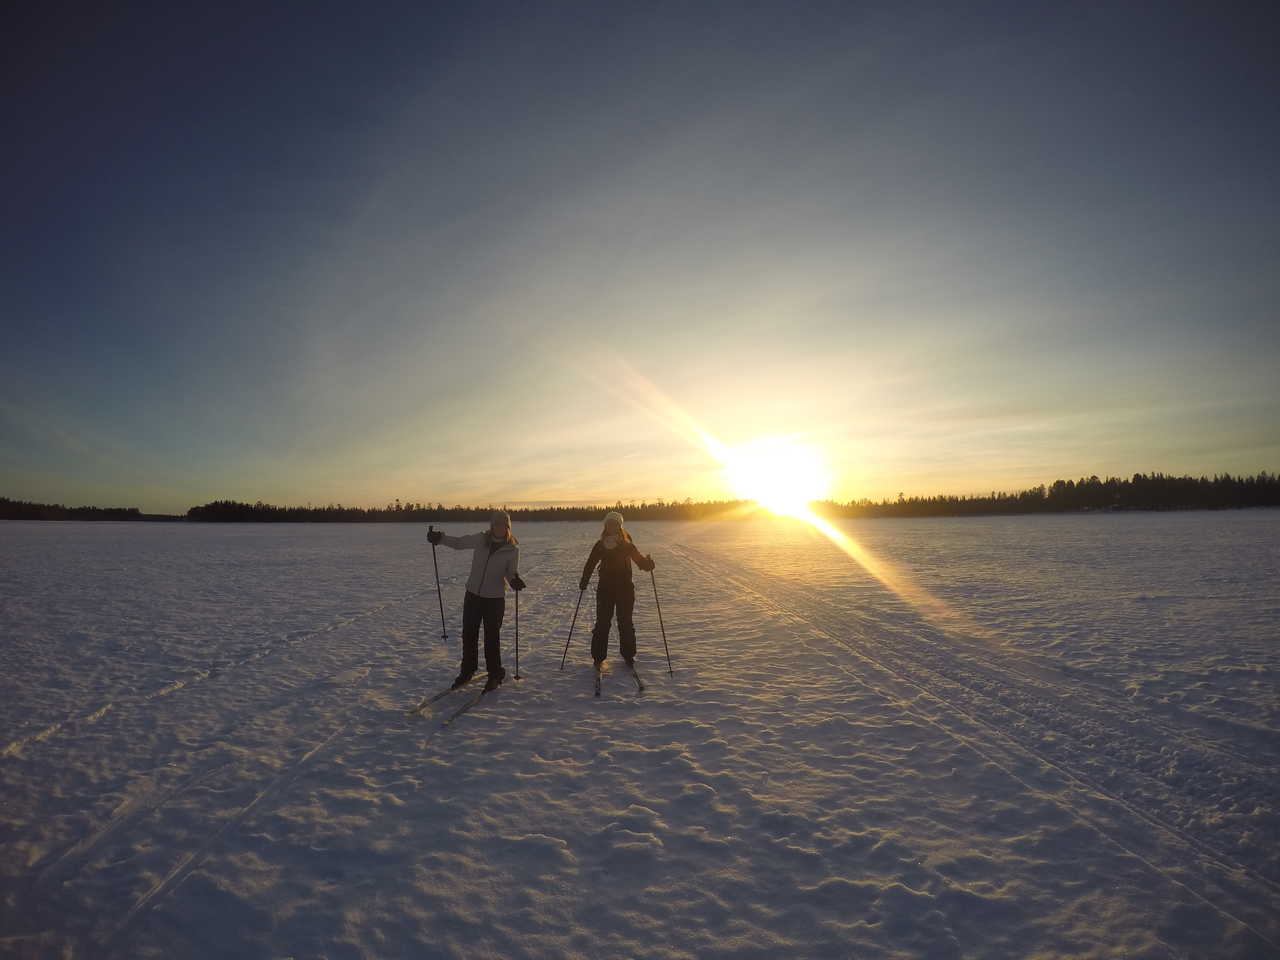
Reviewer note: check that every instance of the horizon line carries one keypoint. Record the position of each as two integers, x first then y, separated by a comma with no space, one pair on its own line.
643,502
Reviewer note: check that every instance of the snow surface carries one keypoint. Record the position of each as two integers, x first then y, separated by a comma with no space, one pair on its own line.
205,752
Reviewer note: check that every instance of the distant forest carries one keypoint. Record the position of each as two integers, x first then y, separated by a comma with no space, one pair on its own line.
1141,492
22,510
1154,491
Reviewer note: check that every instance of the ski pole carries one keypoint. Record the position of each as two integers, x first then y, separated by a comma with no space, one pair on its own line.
571,626
444,634
660,624
517,634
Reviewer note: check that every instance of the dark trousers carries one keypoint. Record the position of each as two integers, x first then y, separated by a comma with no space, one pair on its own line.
611,598
475,610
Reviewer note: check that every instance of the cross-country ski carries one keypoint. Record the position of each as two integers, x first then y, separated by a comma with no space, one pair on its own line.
635,675
434,698
473,701
440,695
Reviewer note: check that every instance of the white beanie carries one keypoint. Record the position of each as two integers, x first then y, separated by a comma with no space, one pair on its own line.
499,516
613,515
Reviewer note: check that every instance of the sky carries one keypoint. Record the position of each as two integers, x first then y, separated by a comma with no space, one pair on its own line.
467,253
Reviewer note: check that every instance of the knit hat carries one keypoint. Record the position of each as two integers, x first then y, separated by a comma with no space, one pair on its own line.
500,516
613,515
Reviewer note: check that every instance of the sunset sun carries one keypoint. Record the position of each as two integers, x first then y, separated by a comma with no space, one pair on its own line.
780,474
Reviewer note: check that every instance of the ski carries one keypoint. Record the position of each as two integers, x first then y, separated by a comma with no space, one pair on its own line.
635,674
598,673
434,698
466,706
429,701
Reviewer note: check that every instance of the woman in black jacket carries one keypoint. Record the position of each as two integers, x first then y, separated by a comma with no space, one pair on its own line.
615,593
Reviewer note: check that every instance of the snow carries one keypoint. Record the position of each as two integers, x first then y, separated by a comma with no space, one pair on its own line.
205,749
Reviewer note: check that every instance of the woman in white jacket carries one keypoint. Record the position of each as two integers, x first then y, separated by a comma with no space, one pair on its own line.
495,562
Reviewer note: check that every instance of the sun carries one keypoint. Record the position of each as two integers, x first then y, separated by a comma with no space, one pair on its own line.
781,474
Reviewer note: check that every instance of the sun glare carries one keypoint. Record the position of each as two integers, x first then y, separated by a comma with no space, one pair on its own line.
783,476
780,474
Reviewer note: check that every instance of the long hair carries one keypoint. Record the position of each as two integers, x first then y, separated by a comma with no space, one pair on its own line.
511,537
622,534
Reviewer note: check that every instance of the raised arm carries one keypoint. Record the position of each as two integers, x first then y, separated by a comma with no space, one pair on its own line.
643,562
470,541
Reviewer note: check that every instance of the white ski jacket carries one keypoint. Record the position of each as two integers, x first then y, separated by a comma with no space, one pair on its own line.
492,567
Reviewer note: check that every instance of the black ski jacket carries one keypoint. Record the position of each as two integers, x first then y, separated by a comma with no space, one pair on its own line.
615,564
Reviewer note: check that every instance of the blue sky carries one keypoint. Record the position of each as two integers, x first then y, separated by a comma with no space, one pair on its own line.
348,254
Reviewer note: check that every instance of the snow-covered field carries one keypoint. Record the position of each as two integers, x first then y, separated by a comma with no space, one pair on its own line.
204,747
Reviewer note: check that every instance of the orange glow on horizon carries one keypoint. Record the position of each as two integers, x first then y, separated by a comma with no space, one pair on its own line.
784,477
780,474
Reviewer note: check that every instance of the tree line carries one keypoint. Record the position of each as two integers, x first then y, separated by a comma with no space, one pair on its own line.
23,510
1154,491
411,512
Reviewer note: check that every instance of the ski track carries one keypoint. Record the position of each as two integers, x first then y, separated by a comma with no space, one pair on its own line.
1095,725
1022,688
193,859
226,770
215,669
1049,680
76,859
74,862
1024,730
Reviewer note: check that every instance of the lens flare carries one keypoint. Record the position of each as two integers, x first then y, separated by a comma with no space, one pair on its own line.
781,475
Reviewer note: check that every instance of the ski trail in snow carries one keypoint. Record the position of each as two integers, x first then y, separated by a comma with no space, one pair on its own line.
75,860
76,857
1084,794
1048,680
213,670
1174,774
192,859
54,728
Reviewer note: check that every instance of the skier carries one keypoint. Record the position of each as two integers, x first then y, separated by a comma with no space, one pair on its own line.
614,552
496,558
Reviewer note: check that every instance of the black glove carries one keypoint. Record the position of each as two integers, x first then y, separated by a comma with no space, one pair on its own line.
435,536
582,584
517,583
646,564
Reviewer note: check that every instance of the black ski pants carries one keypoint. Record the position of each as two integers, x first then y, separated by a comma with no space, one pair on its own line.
611,598
489,611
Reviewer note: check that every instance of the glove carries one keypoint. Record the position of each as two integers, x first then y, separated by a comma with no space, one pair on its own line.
646,564
582,584
435,536
517,583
